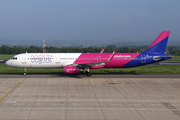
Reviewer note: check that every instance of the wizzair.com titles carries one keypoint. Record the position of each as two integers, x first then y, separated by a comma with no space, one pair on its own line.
122,56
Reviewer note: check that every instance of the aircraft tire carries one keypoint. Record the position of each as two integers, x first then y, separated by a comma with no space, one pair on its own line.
88,74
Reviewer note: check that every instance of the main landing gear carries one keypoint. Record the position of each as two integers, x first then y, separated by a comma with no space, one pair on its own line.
25,70
88,72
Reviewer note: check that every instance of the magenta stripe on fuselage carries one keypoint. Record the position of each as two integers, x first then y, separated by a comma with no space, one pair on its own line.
161,37
119,59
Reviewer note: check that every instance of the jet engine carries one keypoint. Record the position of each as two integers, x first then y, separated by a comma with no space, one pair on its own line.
71,70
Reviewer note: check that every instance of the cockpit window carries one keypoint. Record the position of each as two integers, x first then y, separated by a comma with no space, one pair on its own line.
14,58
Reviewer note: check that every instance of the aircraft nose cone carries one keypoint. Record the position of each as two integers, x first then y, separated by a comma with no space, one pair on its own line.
8,63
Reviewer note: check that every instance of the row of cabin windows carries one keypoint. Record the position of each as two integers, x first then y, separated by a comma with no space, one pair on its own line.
15,58
107,58
50,58
68,58
87,58
40,58
124,58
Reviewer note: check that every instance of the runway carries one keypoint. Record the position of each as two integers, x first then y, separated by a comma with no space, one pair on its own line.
96,97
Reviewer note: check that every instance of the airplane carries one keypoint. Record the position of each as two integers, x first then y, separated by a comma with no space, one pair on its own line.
74,63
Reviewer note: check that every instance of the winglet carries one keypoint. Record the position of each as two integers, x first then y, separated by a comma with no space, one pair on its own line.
102,51
111,57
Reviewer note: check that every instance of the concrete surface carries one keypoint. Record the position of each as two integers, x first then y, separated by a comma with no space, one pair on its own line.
94,75
90,98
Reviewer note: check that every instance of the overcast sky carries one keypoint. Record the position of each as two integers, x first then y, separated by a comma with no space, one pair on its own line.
87,20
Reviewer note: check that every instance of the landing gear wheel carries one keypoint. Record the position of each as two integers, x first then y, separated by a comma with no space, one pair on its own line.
25,71
88,74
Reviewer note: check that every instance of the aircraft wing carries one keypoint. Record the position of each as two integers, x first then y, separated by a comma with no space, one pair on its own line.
84,65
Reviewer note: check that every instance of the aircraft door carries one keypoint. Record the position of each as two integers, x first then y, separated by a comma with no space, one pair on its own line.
57,59
24,59
143,58
98,58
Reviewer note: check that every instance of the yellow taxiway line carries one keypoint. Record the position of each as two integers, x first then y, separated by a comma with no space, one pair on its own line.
9,92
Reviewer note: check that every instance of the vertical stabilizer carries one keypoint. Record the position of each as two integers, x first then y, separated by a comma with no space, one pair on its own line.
159,45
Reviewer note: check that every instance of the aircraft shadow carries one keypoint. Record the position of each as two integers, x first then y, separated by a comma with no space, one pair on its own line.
62,74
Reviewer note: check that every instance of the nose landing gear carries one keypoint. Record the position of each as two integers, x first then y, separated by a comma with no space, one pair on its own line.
25,70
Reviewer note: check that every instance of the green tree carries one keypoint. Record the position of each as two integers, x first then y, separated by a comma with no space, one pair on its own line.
111,47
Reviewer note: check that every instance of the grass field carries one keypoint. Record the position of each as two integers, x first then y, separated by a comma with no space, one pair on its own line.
5,56
175,58
140,69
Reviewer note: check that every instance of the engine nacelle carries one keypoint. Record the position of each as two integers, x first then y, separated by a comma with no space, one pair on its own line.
71,70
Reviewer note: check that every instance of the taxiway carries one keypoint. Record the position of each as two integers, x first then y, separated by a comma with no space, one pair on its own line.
68,98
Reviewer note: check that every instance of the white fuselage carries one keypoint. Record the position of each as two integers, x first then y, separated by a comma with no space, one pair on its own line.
42,60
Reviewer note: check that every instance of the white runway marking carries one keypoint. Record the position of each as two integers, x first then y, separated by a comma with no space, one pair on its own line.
56,104
115,104
19,104
10,102
95,104
135,104
76,104
176,105
155,104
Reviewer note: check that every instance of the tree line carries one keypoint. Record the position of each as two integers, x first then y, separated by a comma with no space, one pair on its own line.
174,50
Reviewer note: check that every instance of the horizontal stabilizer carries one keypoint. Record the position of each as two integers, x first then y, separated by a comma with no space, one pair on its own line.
156,58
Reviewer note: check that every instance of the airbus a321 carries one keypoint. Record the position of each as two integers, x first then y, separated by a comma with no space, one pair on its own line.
74,63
